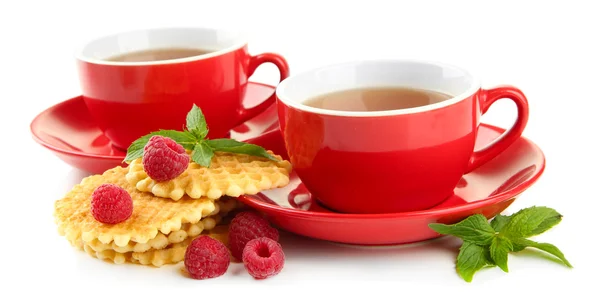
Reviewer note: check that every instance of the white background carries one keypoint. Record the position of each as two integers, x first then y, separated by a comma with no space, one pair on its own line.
548,49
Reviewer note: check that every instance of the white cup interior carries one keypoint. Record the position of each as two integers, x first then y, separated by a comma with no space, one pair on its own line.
443,78
217,40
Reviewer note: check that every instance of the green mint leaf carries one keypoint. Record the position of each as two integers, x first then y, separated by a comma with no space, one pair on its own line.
546,247
499,252
499,222
233,146
517,247
136,149
547,224
196,123
184,138
530,221
202,154
474,229
471,258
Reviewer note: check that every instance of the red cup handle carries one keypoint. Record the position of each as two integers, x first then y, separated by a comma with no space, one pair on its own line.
255,61
487,98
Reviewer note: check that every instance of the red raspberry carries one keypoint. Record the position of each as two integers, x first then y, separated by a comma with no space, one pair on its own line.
245,227
206,258
263,257
111,204
164,159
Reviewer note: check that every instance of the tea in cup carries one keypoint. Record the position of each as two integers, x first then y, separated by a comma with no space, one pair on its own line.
386,136
141,81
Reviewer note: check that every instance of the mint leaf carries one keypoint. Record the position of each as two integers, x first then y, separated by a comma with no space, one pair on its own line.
202,154
530,221
499,251
474,229
499,222
136,149
233,146
517,247
546,247
471,258
196,123
184,138
547,223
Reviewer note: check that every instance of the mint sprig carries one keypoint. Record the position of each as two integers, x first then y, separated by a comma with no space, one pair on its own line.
489,243
194,138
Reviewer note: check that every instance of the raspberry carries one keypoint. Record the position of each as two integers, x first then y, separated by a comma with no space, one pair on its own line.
263,257
111,204
245,227
206,258
164,159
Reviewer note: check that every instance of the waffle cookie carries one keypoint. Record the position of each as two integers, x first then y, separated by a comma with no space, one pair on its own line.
163,249
150,216
228,175
174,253
162,241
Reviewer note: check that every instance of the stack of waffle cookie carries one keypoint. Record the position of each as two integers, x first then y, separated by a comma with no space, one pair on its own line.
168,215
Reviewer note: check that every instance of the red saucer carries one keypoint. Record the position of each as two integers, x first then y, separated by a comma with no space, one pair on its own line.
488,190
70,132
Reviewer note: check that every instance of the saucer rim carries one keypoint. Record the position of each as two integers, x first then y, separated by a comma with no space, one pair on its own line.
38,139
256,203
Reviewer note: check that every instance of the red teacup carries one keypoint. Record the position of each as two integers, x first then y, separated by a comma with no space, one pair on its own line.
389,161
131,99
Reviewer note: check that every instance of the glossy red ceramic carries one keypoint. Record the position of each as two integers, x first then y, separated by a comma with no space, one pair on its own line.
129,100
68,130
488,189
389,161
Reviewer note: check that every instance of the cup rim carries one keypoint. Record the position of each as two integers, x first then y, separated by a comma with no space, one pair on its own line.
281,96
79,50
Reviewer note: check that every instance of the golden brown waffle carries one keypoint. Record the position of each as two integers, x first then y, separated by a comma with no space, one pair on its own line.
223,207
156,257
161,241
150,214
228,175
